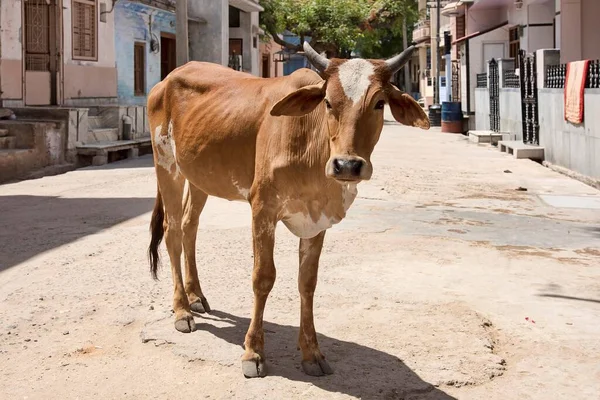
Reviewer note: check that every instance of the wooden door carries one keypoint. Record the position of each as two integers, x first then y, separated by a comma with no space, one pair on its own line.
168,54
41,47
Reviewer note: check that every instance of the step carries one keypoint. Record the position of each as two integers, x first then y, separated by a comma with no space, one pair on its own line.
102,135
521,150
8,142
485,137
96,122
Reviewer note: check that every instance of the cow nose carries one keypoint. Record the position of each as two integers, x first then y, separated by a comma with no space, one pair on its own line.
347,167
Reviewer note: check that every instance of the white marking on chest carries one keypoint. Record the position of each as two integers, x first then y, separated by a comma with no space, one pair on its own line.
302,225
355,77
166,154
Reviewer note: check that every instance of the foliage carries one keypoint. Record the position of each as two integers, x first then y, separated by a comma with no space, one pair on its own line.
371,28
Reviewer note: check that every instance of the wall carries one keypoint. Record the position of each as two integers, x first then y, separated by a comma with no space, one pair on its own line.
510,112
575,147
480,19
132,25
11,68
477,64
590,34
89,82
482,110
209,41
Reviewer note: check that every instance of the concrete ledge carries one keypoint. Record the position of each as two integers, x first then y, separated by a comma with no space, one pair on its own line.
485,137
593,182
99,152
521,150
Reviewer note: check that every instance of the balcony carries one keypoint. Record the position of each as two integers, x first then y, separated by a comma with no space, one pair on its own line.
422,32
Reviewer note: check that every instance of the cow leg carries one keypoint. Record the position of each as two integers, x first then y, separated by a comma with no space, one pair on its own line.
263,279
193,203
313,361
172,192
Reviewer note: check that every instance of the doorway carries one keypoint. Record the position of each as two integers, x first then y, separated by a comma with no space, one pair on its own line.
168,54
41,51
266,73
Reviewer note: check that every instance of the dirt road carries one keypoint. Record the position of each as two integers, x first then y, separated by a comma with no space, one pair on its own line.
443,282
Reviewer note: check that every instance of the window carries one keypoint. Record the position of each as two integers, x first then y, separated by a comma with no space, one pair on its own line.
234,17
255,42
460,26
84,29
139,69
514,46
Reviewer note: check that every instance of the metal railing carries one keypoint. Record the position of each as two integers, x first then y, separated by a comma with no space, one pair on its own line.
557,74
510,79
482,80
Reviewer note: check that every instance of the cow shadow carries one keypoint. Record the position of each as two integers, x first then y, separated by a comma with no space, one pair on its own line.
359,371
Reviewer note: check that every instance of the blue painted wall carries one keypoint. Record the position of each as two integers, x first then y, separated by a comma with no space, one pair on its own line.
132,25
296,61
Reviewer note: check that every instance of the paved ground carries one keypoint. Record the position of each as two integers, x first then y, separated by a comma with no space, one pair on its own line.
444,282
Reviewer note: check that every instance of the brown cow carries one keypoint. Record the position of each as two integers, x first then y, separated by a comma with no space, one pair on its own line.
294,147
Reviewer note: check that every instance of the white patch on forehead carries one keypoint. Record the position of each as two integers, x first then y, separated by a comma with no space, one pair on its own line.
166,151
355,77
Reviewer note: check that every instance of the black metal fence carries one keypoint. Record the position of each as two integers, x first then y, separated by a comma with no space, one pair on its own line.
556,76
482,80
494,91
510,79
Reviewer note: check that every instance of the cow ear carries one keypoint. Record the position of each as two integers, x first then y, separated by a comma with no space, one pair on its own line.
300,102
405,109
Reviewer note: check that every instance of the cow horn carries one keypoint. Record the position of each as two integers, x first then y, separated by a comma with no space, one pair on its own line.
320,62
397,62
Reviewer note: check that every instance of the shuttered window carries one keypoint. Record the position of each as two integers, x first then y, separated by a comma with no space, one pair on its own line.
139,69
85,29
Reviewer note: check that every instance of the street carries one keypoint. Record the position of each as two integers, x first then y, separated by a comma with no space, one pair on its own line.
459,272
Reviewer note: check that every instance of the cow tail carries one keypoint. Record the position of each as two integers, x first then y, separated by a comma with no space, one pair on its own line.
157,231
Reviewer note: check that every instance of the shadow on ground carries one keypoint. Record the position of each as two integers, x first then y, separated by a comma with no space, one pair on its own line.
31,225
559,296
360,371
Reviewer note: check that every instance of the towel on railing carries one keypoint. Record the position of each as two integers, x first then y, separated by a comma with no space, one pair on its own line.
574,90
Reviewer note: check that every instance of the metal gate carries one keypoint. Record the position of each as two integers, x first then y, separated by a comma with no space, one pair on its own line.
529,103
41,48
455,80
494,89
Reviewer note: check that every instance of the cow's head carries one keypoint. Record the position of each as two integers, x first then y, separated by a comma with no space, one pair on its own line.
354,93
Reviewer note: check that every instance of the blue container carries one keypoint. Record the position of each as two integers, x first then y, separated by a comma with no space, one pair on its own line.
452,117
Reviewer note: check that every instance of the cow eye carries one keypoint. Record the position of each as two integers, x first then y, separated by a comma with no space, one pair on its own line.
327,104
380,104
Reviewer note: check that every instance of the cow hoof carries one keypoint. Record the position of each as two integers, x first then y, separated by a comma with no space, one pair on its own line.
256,368
185,324
200,306
317,368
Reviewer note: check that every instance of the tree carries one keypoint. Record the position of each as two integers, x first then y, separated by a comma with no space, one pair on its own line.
371,28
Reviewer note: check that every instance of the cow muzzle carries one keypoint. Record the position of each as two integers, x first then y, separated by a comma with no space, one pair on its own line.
348,169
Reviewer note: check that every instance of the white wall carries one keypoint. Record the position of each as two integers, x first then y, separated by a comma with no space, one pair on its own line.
477,64
106,39
10,34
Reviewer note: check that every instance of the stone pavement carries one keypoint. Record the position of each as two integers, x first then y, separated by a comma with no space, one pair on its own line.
460,272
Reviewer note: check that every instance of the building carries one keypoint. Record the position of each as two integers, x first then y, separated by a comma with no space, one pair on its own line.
424,34
75,74
56,52
272,59
514,59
